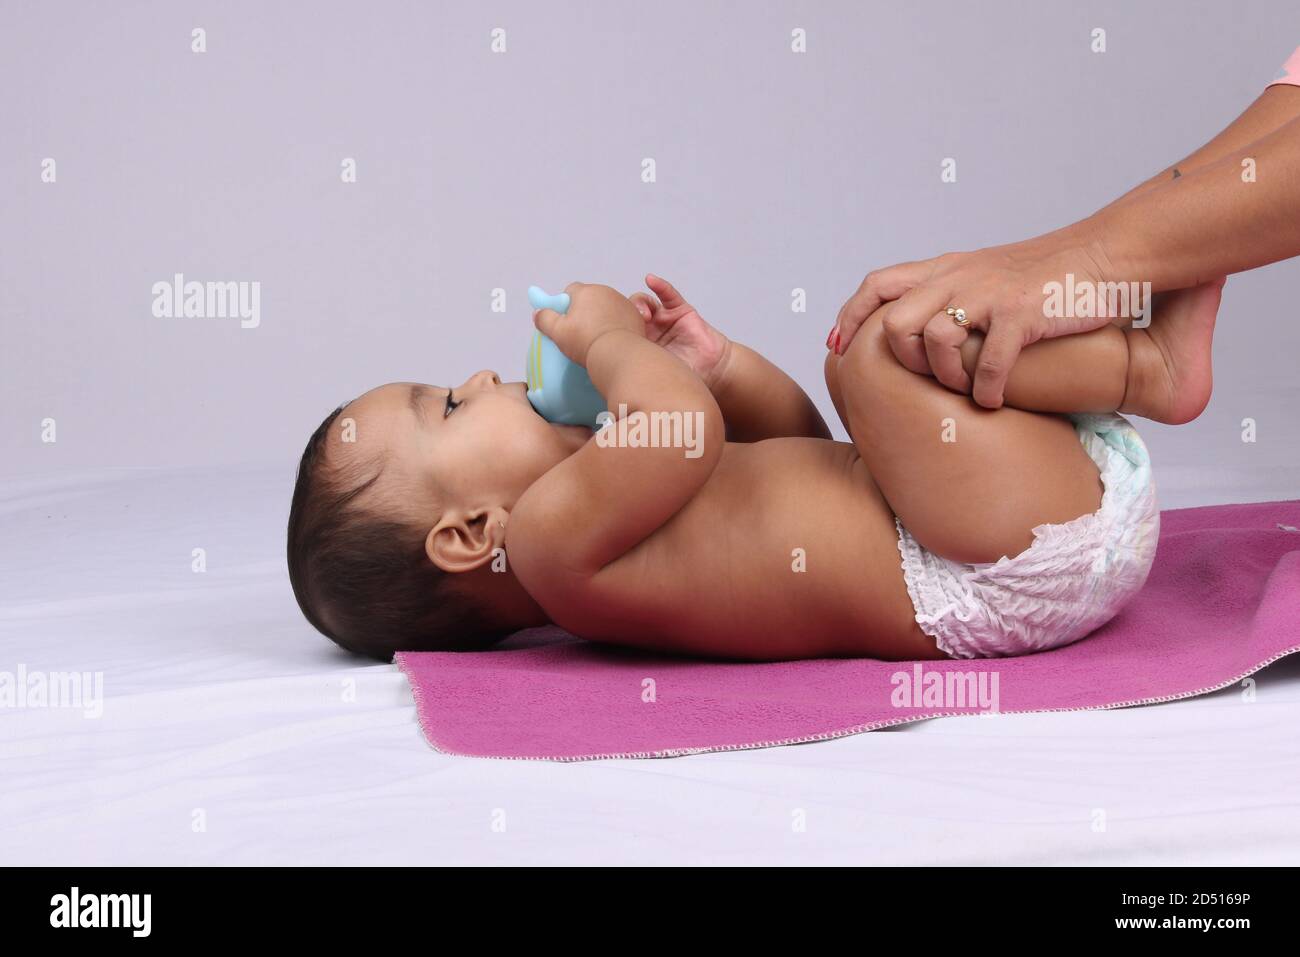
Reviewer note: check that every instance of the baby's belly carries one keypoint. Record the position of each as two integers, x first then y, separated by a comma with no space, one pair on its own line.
786,553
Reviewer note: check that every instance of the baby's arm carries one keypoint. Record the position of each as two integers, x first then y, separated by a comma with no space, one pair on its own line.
607,497
757,399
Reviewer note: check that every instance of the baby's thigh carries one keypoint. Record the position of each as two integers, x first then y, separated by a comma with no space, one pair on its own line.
969,483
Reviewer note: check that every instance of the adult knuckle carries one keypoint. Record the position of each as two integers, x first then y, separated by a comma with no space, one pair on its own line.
892,324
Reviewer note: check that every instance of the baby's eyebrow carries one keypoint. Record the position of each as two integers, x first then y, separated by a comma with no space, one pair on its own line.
416,400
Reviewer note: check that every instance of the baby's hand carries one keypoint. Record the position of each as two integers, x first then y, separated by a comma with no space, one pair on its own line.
673,323
593,311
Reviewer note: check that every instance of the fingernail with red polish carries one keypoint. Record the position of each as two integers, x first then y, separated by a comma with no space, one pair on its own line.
829,336
837,343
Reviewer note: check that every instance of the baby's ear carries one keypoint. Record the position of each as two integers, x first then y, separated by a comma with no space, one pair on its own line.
461,542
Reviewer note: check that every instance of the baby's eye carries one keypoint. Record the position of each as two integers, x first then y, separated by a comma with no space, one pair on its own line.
451,405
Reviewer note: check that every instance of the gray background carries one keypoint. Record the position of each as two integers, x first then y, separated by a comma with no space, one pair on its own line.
479,170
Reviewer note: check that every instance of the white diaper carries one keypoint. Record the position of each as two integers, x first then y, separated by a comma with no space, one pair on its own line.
1071,580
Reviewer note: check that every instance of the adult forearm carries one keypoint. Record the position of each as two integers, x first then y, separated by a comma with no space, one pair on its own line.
1275,107
1240,212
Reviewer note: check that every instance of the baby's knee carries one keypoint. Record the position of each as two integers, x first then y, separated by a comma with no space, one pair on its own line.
830,369
868,371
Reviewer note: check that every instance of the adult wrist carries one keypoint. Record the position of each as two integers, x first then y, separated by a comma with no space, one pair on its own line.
1107,246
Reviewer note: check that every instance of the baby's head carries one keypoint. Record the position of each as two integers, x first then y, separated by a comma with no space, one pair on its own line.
402,498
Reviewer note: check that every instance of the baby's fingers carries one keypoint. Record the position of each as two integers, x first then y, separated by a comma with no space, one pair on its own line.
550,323
644,305
662,288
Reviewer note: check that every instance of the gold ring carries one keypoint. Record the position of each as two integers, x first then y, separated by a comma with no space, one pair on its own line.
958,316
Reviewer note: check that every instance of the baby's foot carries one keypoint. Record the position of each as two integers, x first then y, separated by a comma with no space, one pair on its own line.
1169,371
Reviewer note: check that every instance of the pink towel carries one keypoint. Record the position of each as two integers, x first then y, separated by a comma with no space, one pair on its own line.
1223,601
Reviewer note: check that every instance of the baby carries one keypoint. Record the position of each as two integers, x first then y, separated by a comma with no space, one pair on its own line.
433,518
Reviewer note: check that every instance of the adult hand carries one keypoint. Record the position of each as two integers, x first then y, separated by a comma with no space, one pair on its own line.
1002,291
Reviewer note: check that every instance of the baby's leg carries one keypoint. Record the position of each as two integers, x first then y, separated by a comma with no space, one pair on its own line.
1162,372
971,484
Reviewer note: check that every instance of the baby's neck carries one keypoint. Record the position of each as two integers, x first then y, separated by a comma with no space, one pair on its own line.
507,601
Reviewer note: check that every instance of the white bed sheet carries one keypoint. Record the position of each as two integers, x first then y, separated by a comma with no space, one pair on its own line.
229,735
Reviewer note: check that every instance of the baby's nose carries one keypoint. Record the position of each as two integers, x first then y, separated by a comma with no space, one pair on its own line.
485,379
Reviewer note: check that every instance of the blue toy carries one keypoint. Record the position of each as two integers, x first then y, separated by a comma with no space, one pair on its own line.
558,388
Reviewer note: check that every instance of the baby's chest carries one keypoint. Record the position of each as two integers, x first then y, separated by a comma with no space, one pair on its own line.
768,559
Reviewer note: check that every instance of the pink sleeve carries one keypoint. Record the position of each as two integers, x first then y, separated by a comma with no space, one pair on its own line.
1290,71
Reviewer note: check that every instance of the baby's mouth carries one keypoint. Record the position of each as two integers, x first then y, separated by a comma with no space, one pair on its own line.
579,434
521,389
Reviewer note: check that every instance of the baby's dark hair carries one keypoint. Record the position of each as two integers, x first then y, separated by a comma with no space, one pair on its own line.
363,579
